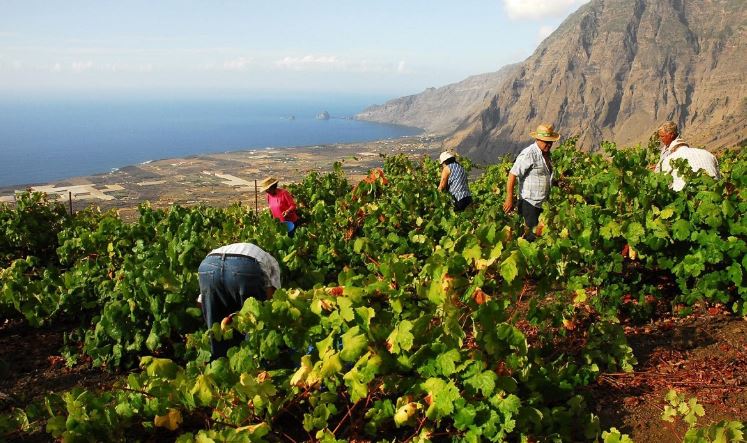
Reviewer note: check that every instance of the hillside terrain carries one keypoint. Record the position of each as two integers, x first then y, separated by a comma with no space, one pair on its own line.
398,319
614,70
441,110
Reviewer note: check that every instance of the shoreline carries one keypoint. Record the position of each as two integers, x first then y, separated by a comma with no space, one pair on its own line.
219,179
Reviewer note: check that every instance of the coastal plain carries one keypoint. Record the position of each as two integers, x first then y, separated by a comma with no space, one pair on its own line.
220,179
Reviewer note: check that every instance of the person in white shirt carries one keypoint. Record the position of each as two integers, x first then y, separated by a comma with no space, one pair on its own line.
533,169
673,147
228,276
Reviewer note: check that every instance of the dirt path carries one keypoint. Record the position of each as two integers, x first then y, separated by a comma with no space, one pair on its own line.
703,356
31,368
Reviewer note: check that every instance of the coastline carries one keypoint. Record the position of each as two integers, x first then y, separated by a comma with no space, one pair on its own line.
220,179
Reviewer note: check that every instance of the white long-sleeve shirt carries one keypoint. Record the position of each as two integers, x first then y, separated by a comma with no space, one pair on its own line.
697,159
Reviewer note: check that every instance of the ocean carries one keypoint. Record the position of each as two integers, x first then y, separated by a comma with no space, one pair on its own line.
45,140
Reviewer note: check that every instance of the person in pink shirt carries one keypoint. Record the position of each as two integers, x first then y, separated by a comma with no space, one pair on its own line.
281,203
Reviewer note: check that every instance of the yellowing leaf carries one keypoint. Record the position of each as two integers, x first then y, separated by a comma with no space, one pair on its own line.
666,213
405,413
257,430
171,421
203,389
299,377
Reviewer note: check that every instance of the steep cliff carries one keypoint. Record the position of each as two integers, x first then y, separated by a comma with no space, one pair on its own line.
440,110
615,69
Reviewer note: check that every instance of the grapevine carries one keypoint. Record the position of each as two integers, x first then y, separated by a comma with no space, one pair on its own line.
398,318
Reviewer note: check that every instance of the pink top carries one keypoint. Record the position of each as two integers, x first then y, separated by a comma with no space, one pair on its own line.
280,202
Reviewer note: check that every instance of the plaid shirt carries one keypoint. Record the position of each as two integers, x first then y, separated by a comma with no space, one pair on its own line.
534,175
697,158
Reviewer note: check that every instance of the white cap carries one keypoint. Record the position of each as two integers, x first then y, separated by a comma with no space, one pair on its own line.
445,156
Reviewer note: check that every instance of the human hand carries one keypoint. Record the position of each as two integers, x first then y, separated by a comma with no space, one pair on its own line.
508,205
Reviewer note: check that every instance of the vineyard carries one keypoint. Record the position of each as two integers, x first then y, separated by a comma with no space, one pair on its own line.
398,319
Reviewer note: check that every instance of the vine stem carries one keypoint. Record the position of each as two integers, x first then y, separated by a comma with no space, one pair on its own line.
288,437
345,417
417,431
672,430
524,289
373,260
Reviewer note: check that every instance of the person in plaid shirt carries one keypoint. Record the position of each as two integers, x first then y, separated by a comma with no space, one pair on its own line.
533,168
673,147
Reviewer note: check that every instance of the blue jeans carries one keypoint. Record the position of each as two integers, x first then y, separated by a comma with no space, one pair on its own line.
225,282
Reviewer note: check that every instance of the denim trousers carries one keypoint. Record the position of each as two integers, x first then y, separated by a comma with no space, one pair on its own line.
531,215
226,281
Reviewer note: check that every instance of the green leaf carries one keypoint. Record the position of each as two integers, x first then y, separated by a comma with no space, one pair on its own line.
472,250
357,388
610,230
446,362
735,273
442,395
159,367
353,344
483,382
614,436
331,364
681,230
400,338
464,417
634,233
204,389
509,267
358,244
346,308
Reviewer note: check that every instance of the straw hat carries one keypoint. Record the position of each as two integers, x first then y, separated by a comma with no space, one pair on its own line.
545,133
265,184
445,156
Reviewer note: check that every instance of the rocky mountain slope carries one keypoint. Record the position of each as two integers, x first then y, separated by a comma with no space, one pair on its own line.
440,110
614,70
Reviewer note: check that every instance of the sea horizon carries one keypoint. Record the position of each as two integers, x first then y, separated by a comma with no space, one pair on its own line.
48,139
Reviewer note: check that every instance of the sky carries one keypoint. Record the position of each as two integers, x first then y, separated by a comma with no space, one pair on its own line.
198,47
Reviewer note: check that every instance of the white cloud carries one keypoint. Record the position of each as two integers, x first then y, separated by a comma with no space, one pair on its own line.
79,67
82,66
540,9
237,64
312,62
326,63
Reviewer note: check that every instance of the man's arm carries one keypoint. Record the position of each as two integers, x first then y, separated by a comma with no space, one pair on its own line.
444,178
269,291
508,205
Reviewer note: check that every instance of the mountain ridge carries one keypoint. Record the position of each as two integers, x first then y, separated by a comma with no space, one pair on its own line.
615,70
439,110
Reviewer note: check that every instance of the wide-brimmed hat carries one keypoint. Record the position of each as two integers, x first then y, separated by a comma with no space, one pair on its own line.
545,133
445,156
265,184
